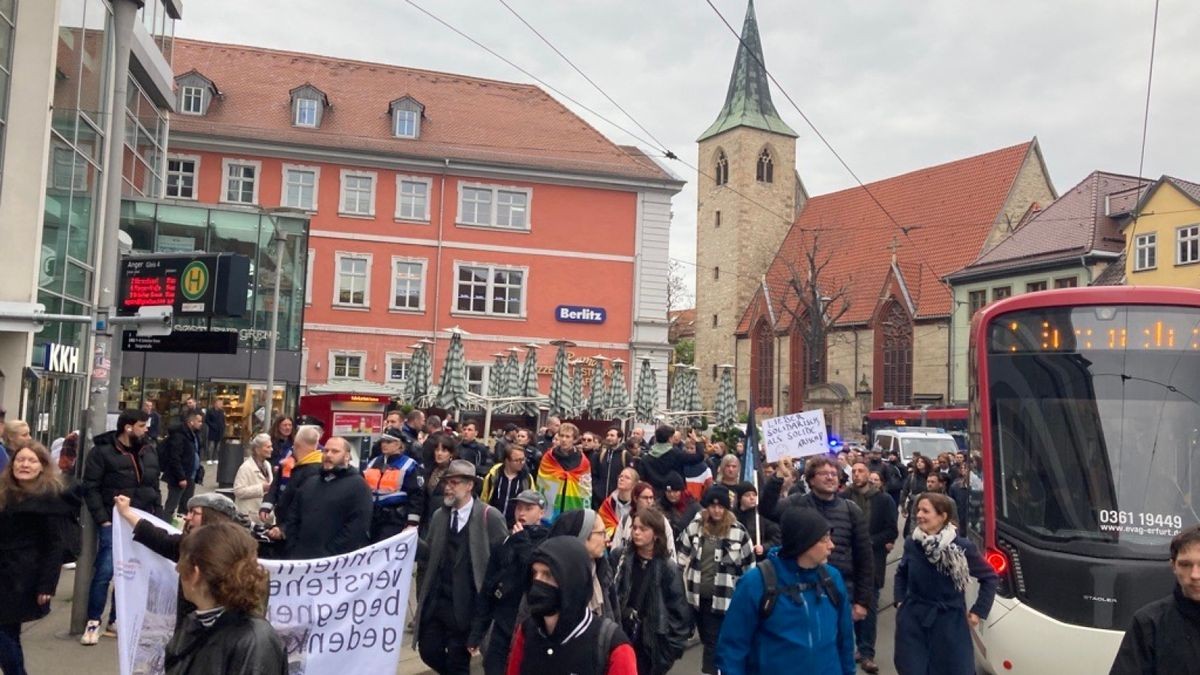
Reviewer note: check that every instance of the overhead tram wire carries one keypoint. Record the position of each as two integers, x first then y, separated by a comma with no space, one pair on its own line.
1145,125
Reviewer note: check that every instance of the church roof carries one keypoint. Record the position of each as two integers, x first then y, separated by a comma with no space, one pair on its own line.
948,210
748,101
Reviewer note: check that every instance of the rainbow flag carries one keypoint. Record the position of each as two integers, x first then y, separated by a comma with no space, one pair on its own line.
564,489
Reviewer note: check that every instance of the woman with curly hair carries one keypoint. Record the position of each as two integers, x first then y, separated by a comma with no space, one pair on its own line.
219,573
33,516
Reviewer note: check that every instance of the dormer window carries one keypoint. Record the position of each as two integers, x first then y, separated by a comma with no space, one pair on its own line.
406,117
308,106
195,93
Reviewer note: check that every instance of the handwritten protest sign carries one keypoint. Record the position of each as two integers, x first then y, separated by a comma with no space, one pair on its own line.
796,435
342,613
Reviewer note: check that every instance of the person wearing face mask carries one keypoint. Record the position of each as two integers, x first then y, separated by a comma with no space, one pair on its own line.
506,581
121,462
562,635
461,537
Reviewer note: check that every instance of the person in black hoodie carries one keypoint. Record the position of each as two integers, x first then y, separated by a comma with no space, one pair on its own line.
331,513
586,526
121,462
677,504
180,459
506,581
473,451
764,532
1163,637
562,635
663,458
879,512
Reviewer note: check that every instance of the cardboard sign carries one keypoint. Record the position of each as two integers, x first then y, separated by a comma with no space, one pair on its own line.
797,435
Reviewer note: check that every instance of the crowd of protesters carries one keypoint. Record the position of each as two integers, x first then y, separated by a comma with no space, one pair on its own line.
546,551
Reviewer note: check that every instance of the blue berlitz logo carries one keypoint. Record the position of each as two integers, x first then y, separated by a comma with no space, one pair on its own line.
573,314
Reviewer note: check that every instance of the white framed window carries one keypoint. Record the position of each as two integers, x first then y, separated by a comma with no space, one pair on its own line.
405,123
308,276
412,198
398,367
408,284
477,378
1187,245
181,176
241,181
494,206
352,287
1145,247
66,173
192,101
306,112
300,186
358,193
491,290
347,365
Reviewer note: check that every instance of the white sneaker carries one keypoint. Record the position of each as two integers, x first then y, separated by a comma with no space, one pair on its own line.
69,566
91,634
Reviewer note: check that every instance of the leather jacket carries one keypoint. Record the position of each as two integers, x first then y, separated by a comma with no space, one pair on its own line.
237,644
667,620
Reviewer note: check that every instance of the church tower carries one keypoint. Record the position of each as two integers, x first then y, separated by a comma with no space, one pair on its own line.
747,198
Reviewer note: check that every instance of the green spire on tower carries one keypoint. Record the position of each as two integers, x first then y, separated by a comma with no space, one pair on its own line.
748,101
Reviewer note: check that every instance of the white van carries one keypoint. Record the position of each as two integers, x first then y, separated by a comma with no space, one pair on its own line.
906,442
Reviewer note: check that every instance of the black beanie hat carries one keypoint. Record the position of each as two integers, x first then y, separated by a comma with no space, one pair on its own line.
744,487
674,481
801,528
719,494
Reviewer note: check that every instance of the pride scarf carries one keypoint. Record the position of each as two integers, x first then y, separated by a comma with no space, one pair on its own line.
564,489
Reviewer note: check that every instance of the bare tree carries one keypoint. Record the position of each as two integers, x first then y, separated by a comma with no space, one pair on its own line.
678,294
815,304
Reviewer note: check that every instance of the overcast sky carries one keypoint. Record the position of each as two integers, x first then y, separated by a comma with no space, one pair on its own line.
894,86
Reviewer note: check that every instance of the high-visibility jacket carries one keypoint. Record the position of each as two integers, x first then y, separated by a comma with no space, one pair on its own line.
396,488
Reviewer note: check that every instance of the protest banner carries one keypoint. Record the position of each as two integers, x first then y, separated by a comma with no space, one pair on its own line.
342,613
796,435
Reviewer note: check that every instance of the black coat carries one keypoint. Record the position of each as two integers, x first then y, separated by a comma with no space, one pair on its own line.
504,585
607,466
237,644
667,620
330,514
655,469
177,454
111,470
1163,640
852,555
31,554
478,454
214,423
882,525
762,530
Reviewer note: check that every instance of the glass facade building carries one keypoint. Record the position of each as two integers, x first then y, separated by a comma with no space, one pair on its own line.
239,379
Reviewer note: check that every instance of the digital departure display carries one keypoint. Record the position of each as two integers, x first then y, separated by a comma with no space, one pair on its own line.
200,285
1105,328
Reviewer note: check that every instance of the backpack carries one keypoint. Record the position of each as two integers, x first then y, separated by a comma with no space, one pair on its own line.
604,639
771,588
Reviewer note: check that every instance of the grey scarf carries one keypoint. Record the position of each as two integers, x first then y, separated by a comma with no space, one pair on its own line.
947,556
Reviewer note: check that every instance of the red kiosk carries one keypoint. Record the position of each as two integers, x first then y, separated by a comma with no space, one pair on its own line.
356,417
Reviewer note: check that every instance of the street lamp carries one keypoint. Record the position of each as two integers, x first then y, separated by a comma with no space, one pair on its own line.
279,238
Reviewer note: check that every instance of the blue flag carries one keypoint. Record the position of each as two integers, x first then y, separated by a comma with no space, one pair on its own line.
750,460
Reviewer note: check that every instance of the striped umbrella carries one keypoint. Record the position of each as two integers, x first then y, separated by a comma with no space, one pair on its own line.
598,400
453,385
512,379
560,382
496,378
725,406
530,378
408,391
693,393
577,402
647,393
618,397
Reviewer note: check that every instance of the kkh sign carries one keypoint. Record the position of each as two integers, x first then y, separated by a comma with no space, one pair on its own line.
574,314
61,358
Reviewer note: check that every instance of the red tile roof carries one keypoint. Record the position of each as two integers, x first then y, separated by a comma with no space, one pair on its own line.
1074,224
950,209
466,118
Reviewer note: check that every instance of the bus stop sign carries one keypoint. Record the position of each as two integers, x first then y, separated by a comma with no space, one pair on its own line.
197,285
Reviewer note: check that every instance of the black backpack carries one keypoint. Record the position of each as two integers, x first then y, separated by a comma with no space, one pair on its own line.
604,640
771,588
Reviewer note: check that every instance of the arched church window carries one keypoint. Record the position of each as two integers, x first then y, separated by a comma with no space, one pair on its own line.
766,167
722,172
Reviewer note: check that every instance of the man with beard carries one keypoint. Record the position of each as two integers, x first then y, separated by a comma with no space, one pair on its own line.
564,476
879,512
506,581
462,535
607,465
180,459
562,635
330,513
764,532
549,438
120,463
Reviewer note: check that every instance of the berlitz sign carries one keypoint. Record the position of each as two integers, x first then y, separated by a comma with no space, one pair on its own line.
573,314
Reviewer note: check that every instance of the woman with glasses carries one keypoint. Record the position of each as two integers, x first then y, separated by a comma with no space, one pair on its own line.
643,498
586,526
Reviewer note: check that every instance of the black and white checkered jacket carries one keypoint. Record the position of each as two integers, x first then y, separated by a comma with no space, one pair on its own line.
735,555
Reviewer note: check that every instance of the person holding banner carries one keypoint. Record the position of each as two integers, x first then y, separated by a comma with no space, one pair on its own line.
330,513
220,575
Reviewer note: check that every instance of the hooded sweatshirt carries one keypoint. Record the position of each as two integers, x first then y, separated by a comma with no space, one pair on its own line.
573,645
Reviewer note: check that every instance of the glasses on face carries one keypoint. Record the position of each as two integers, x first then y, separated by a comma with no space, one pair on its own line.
826,474
516,460
600,533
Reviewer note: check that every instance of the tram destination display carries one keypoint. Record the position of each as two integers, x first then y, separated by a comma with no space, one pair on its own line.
198,285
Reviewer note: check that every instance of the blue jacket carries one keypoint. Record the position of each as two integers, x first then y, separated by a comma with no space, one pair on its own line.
813,637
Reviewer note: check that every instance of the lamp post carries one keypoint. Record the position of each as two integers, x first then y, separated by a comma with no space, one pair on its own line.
279,239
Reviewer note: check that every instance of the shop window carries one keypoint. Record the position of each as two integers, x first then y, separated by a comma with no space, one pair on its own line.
181,177
346,366
490,290
412,198
353,280
358,193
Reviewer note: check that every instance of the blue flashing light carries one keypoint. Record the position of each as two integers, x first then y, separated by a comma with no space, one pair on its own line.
835,442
